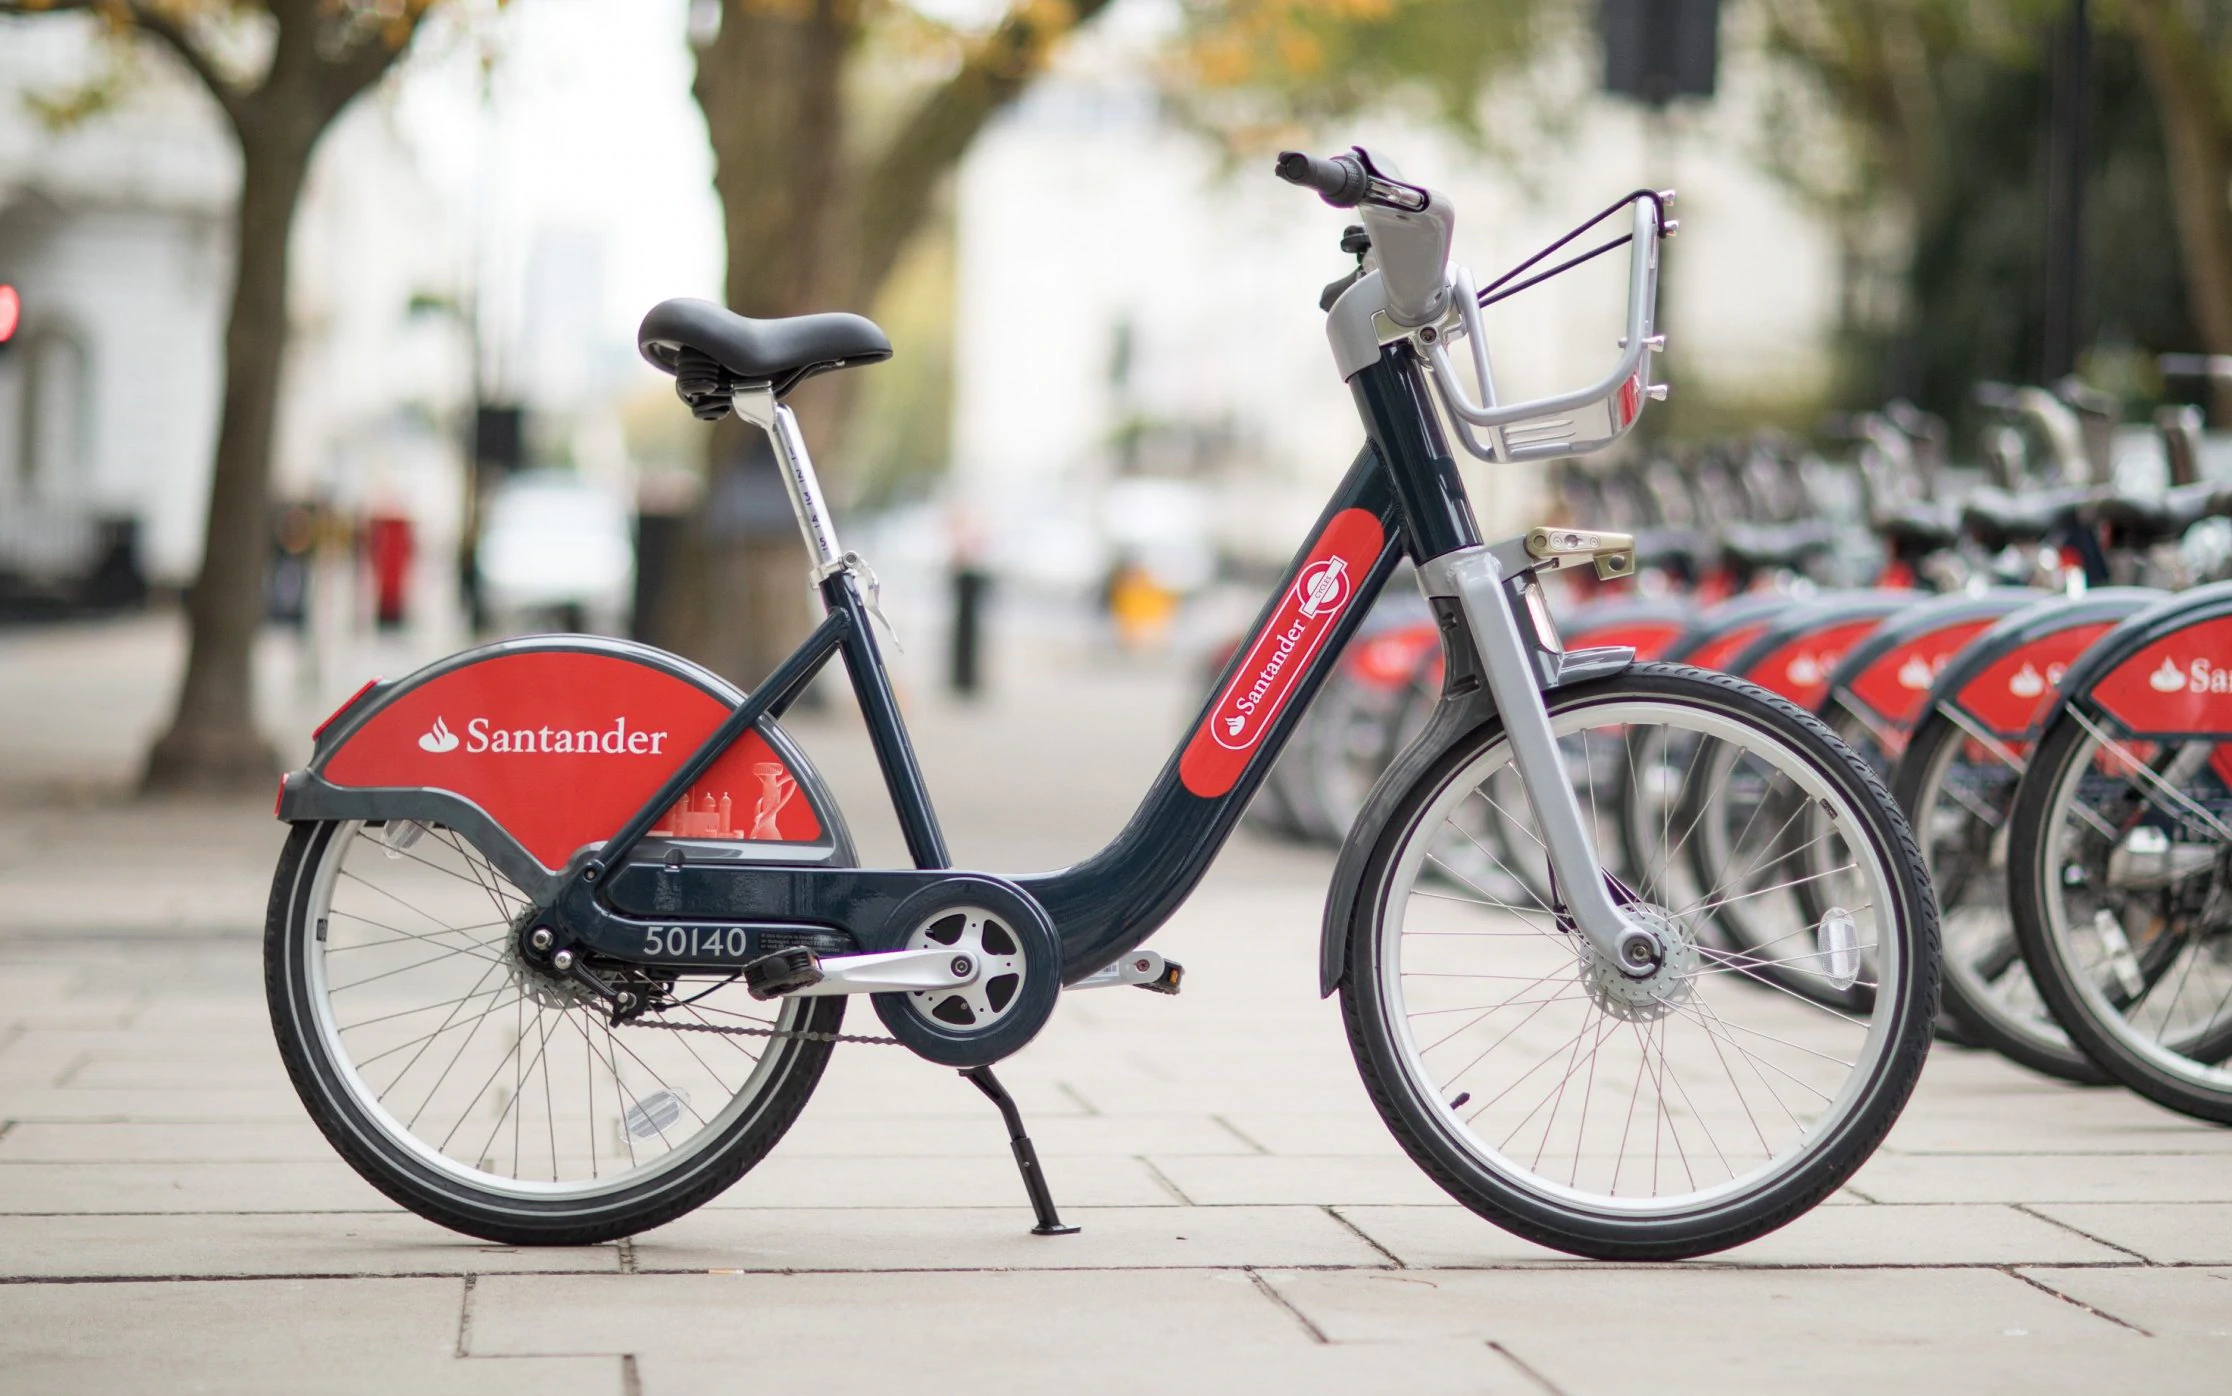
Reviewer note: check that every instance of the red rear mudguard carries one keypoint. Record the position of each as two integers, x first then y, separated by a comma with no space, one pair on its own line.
536,748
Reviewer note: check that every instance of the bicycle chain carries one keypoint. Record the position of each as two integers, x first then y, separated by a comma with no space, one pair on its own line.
768,1032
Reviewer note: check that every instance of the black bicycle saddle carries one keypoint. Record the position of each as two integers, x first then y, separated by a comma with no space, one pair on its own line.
1995,518
712,351
2155,518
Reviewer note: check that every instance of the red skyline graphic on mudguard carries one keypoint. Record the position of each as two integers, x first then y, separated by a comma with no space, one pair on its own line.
2180,683
1800,670
561,746
1281,652
2010,695
1897,684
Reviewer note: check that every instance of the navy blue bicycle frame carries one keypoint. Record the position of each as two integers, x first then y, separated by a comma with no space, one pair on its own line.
1404,476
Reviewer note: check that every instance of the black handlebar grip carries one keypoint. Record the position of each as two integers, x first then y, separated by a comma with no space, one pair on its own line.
1340,181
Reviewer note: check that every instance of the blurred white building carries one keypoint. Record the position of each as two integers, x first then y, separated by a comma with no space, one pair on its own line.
1115,274
116,228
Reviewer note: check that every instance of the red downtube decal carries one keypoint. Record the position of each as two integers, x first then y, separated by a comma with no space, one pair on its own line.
1281,652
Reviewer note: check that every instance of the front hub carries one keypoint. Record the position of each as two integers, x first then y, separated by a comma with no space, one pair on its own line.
1622,992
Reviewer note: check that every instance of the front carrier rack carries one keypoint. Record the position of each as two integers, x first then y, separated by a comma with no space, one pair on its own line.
1566,424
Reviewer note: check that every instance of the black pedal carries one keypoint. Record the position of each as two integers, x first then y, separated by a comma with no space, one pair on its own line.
784,972
1167,981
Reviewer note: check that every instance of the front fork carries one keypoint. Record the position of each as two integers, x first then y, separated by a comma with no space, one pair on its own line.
1489,586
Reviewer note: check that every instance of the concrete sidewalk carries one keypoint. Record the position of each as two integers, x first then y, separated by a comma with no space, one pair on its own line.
171,1221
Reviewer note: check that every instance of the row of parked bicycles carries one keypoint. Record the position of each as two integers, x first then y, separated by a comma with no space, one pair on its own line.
2035,654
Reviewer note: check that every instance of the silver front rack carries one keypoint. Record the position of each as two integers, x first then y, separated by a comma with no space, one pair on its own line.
1568,424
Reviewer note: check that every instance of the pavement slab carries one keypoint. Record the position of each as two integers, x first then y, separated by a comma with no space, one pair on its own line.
2069,1177
1969,1234
1742,1331
930,1238
2165,1303
2189,1233
322,1185
232,1245
1104,1331
377,1337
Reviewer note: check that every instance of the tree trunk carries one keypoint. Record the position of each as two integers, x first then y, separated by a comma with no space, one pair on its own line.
2197,141
770,85
213,742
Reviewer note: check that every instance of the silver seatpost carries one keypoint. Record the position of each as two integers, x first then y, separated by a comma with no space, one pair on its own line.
756,404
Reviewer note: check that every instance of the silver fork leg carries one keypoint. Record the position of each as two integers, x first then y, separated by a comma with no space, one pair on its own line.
1476,579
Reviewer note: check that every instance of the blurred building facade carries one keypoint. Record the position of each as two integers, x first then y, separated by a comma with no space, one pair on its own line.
115,225
1121,281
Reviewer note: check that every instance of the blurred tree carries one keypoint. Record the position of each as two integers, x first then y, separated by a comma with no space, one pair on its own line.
1263,72
825,177
834,125
2186,47
280,71
1932,163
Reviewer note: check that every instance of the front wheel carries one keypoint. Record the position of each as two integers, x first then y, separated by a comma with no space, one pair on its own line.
1715,1100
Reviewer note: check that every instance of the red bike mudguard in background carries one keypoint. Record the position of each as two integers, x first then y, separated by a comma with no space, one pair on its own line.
1649,625
555,742
1884,682
1795,656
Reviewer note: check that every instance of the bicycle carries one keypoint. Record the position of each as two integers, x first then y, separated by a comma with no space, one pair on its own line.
2120,854
618,859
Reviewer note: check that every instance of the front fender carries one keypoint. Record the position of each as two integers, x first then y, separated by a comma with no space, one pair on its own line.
1464,705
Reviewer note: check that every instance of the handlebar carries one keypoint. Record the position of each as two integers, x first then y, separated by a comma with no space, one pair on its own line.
1348,179
1340,181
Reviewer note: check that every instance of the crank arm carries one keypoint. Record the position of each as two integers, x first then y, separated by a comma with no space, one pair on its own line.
893,971
1479,579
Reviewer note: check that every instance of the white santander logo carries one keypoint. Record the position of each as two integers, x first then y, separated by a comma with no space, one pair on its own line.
2199,676
438,738
1916,673
2027,682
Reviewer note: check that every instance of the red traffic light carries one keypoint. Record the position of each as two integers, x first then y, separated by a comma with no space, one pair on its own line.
11,312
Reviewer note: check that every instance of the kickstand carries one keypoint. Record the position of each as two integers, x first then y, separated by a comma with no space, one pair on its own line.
1026,1157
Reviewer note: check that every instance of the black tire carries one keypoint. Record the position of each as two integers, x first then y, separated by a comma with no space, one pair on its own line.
495,1213
1986,1008
2045,876
1607,1224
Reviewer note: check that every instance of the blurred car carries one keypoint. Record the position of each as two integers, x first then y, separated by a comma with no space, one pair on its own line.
556,553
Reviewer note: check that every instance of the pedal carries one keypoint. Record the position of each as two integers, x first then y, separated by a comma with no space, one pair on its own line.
786,971
1143,969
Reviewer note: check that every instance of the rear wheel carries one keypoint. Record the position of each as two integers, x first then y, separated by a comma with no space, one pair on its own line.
486,1095
1675,1115
1959,795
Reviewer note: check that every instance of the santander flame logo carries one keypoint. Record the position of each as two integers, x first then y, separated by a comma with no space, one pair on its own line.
2026,682
438,738
2168,679
1916,673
